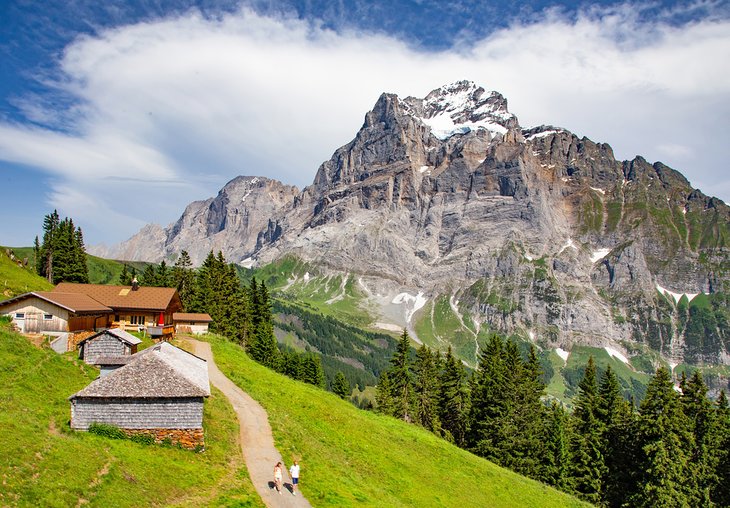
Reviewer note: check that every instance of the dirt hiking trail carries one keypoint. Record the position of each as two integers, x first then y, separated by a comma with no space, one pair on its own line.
257,442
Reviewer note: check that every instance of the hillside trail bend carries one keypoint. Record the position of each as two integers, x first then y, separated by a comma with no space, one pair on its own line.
257,441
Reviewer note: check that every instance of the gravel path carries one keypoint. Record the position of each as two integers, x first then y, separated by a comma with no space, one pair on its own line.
257,442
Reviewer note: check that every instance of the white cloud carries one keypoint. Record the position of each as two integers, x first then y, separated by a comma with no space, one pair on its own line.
194,102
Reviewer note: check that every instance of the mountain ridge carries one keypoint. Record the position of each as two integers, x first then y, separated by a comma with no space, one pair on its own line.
566,244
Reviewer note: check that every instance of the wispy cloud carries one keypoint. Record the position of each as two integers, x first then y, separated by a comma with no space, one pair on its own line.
181,99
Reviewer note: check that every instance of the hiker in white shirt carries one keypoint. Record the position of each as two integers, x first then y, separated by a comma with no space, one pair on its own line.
294,472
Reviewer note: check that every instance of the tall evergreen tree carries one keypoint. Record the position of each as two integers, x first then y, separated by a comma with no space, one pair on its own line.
617,446
721,492
588,465
426,389
453,400
384,395
557,443
48,247
664,441
340,386
703,424
488,404
401,379
183,278
312,370
125,278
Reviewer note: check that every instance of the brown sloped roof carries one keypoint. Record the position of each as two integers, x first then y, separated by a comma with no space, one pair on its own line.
122,297
162,371
191,316
77,303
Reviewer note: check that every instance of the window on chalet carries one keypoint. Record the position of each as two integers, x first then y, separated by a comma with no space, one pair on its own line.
20,315
47,317
136,320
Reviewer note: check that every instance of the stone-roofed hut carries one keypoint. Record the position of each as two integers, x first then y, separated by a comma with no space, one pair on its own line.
160,392
108,343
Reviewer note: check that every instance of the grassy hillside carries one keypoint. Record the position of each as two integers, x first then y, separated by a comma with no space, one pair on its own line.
17,278
101,271
351,457
44,463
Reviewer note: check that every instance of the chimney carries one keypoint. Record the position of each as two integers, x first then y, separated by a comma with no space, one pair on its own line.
135,284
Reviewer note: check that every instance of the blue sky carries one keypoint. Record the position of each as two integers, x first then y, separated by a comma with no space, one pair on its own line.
120,113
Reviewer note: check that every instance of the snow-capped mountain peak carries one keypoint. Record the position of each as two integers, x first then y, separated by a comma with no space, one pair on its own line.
462,107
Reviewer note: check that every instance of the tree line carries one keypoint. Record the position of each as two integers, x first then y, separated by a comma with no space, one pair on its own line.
242,313
673,450
61,256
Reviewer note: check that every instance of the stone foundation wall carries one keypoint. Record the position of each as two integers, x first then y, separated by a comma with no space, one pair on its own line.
186,438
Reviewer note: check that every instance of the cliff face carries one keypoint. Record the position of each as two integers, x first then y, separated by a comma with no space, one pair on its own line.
229,222
528,231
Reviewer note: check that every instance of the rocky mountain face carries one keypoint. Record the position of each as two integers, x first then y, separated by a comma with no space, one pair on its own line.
533,232
229,222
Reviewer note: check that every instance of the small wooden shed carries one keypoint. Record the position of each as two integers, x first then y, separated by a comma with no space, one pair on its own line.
188,322
159,393
107,343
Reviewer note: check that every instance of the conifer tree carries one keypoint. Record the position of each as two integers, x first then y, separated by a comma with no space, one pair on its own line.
125,278
557,443
721,491
703,424
453,400
588,466
183,278
384,395
617,446
162,275
62,255
312,371
341,386
401,379
48,247
426,389
663,443
488,404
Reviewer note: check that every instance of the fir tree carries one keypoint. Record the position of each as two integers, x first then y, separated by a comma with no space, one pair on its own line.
664,442
721,492
125,278
588,466
703,424
488,405
617,443
453,400
557,443
312,371
401,379
162,275
340,386
426,389
384,395
183,278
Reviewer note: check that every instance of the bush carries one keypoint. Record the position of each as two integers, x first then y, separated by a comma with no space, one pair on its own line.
145,439
107,430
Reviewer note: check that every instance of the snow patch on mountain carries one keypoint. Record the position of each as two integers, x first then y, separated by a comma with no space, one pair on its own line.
411,302
675,296
616,354
562,353
599,254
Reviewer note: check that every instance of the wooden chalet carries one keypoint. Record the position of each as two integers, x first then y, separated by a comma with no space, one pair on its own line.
159,392
55,312
135,307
